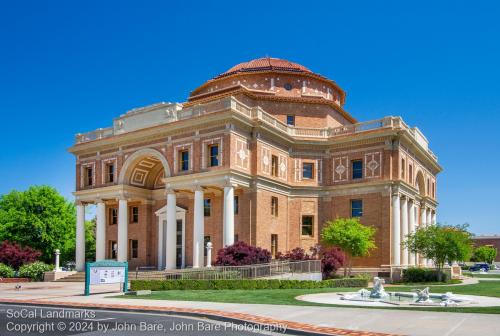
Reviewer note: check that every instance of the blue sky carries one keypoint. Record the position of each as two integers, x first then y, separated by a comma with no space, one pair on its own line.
71,66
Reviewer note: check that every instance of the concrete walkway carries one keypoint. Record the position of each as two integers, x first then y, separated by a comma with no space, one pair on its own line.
402,322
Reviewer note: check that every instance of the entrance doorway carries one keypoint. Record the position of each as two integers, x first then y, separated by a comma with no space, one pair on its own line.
180,239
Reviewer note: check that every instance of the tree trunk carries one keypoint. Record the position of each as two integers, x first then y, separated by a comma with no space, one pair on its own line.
439,273
350,267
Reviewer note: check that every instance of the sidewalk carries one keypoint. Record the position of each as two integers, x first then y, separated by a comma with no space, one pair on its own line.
327,320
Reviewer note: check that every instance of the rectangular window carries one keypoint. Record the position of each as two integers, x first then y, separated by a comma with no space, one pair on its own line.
184,160
207,207
403,168
274,245
134,215
274,206
206,239
357,169
89,176
213,155
110,173
307,225
356,208
133,249
274,165
235,238
113,216
410,172
290,120
236,205
433,190
308,170
112,249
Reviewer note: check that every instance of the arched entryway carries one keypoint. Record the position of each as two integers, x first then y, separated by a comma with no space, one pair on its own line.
145,168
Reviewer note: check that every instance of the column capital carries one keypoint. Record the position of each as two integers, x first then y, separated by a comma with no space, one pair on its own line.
395,190
169,191
228,182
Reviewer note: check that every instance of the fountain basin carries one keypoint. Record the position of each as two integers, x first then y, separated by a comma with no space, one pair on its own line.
404,299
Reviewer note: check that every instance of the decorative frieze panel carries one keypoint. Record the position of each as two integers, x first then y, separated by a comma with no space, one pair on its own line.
283,167
298,170
241,155
373,165
340,169
265,159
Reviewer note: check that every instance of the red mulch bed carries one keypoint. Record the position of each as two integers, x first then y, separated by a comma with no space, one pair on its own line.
13,280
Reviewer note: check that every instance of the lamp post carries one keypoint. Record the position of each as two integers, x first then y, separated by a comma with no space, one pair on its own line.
209,254
57,260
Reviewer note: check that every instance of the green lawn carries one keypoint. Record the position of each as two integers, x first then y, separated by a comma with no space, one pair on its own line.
287,296
490,276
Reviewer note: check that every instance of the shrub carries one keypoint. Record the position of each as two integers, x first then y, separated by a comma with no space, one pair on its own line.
34,270
331,260
6,271
297,254
240,253
15,255
247,284
417,274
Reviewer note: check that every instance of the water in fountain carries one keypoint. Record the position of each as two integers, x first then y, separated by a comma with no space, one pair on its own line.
419,297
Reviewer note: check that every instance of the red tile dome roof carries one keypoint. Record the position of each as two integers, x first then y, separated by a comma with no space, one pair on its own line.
265,64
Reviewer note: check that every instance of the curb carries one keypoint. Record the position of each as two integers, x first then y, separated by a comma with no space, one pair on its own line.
293,328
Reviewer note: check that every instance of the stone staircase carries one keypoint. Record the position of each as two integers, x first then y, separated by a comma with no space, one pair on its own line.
75,277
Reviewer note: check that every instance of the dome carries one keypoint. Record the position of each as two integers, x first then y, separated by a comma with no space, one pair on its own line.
265,64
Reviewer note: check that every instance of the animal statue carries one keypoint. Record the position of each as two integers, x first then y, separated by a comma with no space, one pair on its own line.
378,290
423,295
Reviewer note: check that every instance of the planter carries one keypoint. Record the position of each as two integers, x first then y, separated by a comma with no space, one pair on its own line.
14,280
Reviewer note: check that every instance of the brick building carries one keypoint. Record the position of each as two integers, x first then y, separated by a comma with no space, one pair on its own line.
488,240
263,153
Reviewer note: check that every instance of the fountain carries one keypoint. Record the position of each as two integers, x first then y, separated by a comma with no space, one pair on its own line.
378,296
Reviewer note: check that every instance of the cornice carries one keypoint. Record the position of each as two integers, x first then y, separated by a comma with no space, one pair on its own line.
247,74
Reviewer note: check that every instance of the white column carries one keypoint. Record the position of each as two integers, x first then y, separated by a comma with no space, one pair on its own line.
429,218
396,231
433,218
423,223
429,222
122,230
228,220
198,228
160,243
100,231
411,229
404,228
171,242
80,238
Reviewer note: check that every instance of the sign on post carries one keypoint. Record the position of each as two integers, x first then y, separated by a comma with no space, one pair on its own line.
106,272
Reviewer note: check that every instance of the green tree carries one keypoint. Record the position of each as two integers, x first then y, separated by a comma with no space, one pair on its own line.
40,218
485,253
89,241
441,244
354,238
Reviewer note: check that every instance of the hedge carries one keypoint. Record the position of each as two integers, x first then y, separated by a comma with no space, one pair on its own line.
416,274
162,285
